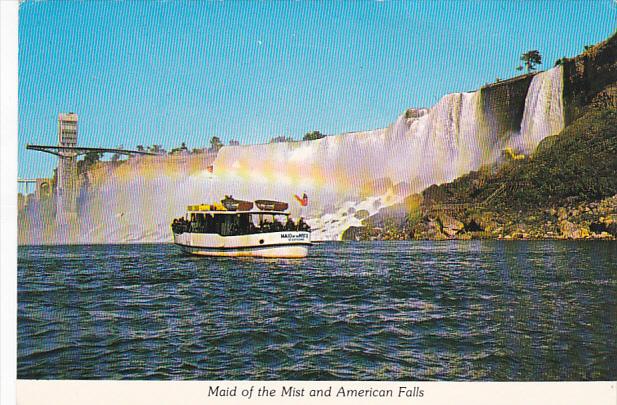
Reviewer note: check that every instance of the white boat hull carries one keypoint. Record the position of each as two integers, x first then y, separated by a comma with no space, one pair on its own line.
286,244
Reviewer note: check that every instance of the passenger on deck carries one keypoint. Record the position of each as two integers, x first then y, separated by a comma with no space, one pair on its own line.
289,225
265,226
302,226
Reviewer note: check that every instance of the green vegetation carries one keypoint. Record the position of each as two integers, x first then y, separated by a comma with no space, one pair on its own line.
89,160
281,138
182,149
312,136
309,136
561,61
158,149
215,144
577,165
530,59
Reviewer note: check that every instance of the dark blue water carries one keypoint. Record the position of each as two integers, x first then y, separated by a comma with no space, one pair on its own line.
359,311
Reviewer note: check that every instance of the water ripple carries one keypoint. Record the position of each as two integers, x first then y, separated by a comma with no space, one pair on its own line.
359,311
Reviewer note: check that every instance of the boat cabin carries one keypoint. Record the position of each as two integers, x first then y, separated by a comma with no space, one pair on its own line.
232,223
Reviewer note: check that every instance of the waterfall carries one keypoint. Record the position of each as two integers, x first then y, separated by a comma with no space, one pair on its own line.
543,114
342,174
437,146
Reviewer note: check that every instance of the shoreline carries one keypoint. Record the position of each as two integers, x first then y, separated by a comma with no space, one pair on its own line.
591,220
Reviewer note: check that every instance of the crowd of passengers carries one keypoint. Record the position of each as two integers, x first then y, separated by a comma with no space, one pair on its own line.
181,225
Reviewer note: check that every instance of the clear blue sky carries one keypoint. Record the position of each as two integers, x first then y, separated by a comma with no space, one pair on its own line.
167,72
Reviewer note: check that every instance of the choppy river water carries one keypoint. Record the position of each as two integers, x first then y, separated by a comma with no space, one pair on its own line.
478,310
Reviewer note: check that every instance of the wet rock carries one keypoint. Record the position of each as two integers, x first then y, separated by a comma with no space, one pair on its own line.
357,233
402,188
354,233
610,224
473,226
377,186
451,226
573,231
598,227
361,214
428,229
602,235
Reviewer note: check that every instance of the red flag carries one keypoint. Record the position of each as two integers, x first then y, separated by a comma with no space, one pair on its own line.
303,201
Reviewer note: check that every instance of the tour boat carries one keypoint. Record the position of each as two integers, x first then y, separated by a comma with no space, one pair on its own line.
234,228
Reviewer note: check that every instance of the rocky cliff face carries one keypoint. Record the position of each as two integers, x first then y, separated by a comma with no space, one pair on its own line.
590,80
503,104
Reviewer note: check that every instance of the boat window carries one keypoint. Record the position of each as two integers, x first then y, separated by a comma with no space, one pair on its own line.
228,225
209,224
216,228
243,223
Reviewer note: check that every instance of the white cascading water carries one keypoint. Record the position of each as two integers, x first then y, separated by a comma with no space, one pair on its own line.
543,115
136,201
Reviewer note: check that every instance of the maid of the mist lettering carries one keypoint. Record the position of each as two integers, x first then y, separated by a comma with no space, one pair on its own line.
222,392
292,391
230,392
414,392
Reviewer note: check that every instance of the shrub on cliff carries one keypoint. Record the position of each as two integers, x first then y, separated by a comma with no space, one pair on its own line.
579,164
281,139
313,136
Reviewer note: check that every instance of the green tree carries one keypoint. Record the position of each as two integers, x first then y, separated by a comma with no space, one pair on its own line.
158,149
530,59
91,158
215,144
313,135
140,148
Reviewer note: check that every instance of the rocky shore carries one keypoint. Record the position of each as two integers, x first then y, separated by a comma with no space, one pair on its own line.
589,220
